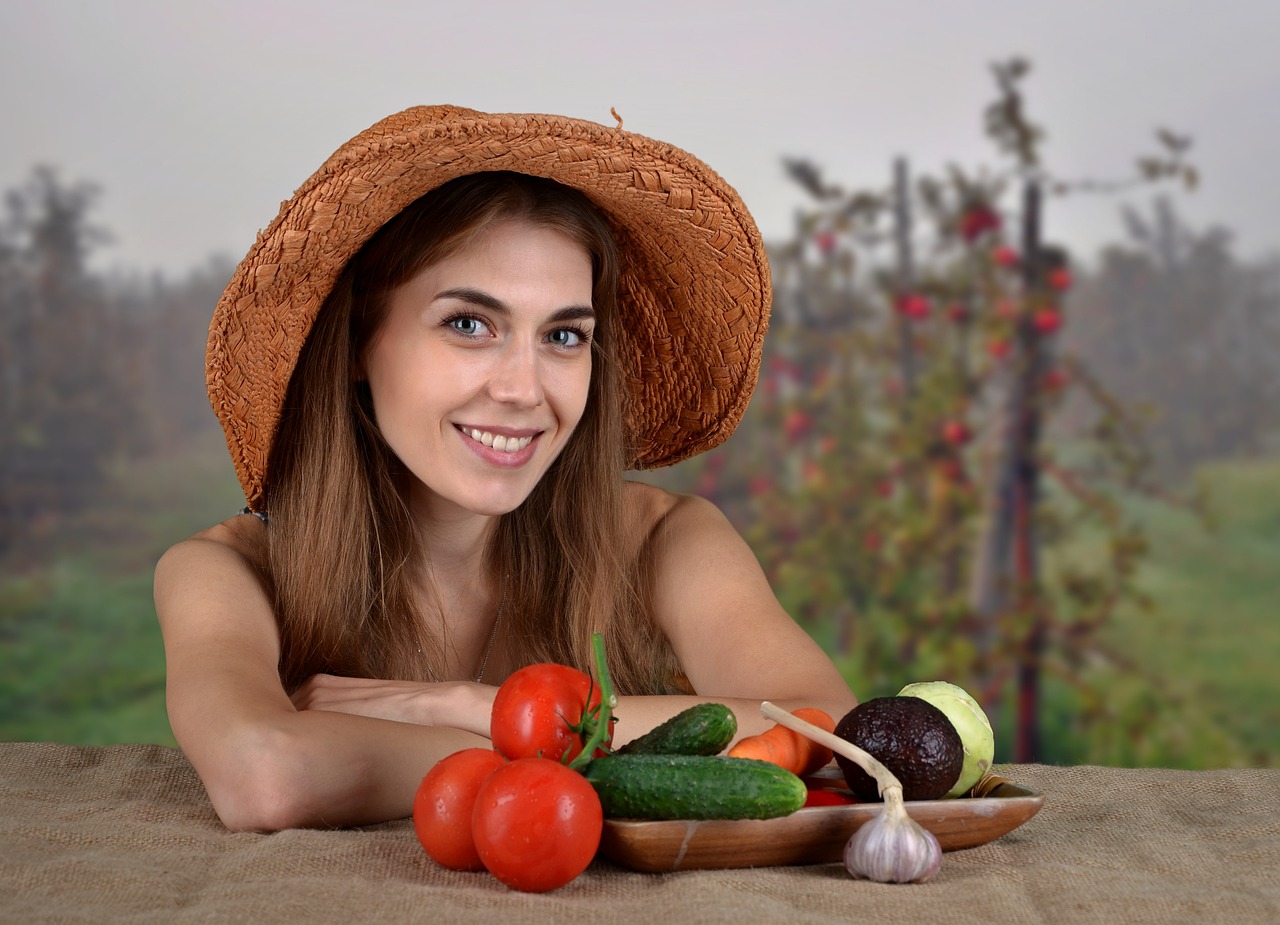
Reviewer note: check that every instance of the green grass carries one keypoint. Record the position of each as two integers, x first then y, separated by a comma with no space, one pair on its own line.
81,658
1215,631
1190,681
84,663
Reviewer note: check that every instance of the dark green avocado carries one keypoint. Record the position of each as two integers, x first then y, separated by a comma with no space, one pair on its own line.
909,736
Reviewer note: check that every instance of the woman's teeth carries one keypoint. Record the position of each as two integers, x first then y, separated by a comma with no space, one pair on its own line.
500,443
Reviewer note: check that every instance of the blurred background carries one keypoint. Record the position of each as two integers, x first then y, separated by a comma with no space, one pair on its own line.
1016,424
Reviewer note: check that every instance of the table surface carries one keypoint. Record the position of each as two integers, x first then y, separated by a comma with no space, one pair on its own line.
126,833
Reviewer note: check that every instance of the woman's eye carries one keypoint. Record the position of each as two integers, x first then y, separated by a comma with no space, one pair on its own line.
465,324
567,337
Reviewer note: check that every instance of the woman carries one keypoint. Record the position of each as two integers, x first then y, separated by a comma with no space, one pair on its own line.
432,369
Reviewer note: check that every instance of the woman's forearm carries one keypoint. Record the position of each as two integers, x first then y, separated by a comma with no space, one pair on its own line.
316,768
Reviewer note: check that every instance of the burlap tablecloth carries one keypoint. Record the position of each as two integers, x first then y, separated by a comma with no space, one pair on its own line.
126,834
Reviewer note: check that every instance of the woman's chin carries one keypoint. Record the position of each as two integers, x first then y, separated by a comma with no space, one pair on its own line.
494,502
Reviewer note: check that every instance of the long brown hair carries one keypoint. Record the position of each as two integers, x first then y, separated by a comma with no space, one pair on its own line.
342,547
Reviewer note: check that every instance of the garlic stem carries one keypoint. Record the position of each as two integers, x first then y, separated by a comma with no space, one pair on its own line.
892,847
868,762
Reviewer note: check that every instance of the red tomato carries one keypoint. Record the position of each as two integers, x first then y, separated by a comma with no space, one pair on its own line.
537,824
818,796
536,709
444,804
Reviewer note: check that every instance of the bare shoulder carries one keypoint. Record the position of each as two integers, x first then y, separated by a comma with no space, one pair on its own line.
234,546
657,516
708,593
684,542
215,606
242,535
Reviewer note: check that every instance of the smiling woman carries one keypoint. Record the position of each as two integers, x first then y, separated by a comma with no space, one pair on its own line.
511,374
432,370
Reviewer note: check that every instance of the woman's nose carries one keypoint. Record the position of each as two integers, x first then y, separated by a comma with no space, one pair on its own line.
517,379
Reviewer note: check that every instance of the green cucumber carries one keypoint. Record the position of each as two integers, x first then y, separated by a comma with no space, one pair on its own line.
703,729
693,787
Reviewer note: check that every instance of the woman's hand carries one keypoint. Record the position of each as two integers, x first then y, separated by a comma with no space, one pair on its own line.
459,704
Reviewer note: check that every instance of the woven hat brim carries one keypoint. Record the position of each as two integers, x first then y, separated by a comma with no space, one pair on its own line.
694,295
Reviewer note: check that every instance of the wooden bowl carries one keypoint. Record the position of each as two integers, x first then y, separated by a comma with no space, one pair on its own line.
815,835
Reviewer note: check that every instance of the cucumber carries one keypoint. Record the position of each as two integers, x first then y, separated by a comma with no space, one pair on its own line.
693,787
703,729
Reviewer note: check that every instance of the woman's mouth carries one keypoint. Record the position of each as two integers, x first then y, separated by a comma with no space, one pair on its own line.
498,442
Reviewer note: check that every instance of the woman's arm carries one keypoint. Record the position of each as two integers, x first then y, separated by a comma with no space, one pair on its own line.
734,641
265,763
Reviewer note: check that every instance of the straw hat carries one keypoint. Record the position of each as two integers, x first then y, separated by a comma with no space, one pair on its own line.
694,292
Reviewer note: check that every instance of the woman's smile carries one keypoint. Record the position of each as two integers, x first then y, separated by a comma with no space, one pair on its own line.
500,447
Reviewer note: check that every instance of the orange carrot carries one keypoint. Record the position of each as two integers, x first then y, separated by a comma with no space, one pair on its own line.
767,746
818,755
788,749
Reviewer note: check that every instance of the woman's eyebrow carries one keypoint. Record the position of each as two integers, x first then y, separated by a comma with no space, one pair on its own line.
492,303
475,297
574,313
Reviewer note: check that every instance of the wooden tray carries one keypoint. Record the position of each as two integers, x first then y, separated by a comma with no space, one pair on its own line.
815,835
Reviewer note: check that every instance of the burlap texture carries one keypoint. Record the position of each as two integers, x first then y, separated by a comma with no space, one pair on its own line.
126,834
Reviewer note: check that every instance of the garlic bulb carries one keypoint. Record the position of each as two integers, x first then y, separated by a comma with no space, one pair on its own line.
893,847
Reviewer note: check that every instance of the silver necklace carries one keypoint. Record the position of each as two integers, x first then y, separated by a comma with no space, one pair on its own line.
488,649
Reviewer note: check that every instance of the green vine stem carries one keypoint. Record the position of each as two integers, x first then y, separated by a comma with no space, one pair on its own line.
601,718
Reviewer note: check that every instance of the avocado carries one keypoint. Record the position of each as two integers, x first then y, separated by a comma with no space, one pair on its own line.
909,736
971,723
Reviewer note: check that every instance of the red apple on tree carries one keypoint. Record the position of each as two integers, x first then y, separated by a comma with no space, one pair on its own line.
796,424
1047,320
956,432
1059,279
1054,380
977,220
914,306
1005,256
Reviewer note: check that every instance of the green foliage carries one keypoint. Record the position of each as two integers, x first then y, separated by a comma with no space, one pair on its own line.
916,520
942,518
1212,635
81,658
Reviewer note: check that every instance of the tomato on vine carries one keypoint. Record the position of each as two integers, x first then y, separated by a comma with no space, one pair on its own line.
536,824
546,710
444,805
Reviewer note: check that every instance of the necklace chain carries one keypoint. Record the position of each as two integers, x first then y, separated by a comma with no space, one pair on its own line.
488,649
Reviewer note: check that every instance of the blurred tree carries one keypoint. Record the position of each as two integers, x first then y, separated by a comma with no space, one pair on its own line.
1176,323
92,369
61,415
166,323
909,510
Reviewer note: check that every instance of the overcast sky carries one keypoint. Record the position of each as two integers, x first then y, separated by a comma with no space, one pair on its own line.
198,118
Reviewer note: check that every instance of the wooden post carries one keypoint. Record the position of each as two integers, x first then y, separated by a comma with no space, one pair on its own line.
906,273
1026,562
1007,556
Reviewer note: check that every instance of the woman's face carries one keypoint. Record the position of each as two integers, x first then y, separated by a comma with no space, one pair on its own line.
480,371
